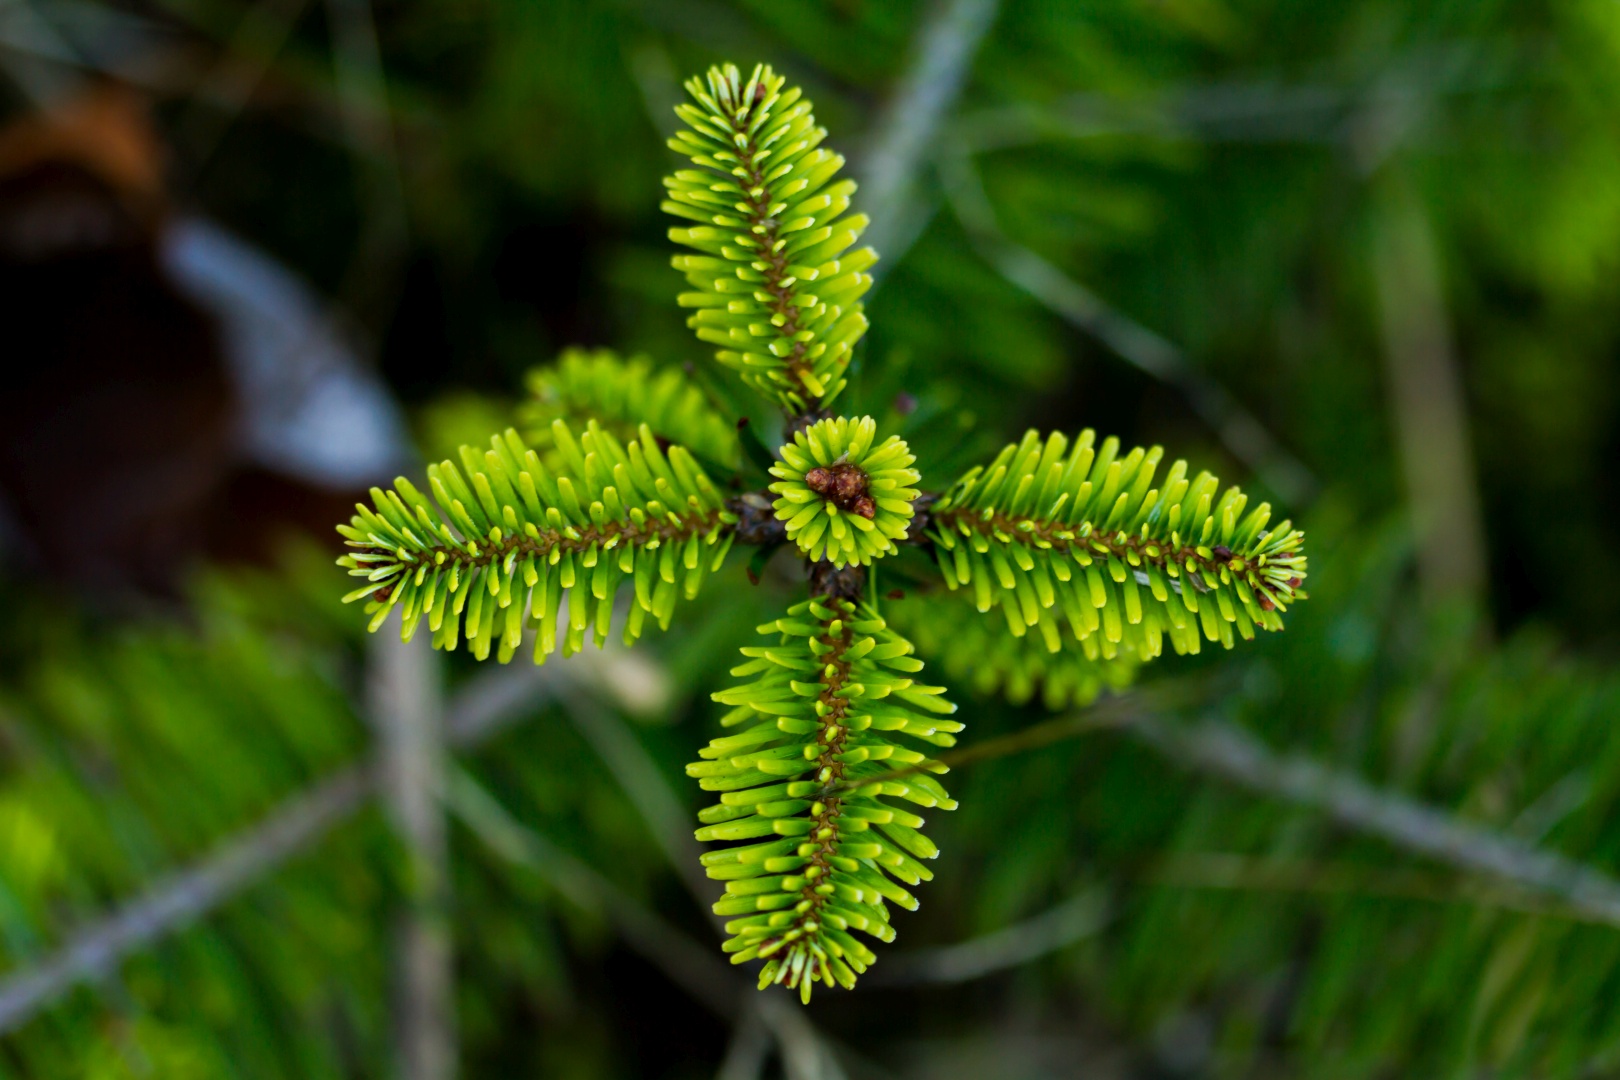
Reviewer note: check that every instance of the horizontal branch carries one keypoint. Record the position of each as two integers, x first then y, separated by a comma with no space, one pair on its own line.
1227,871
1169,554
536,543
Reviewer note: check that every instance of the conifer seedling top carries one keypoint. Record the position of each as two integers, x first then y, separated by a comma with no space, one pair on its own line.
1064,562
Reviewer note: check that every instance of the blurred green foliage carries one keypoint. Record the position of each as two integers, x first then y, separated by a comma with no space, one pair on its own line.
1211,169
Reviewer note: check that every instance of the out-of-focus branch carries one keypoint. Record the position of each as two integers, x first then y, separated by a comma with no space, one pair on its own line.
36,58
486,705
805,1053
369,282
1248,111
222,93
1426,397
644,785
904,133
1073,920
407,710
690,965
748,1051
1232,754
1227,871
1234,425
181,898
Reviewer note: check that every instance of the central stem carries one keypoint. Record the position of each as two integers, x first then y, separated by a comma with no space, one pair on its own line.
778,283
824,833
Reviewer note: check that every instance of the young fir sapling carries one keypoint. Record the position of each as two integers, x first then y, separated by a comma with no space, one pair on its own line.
831,725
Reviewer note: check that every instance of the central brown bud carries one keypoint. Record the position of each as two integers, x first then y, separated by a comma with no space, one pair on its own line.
844,486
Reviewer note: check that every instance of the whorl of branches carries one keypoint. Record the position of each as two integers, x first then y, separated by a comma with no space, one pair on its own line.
843,498
819,711
777,287
504,539
621,395
1048,530
1072,541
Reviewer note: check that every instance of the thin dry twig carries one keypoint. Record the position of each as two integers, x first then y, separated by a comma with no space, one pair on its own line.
695,968
174,901
1224,750
178,899
406,703
1075,919
1227,871
1108,715
805,1052
225,90
904,133
643,784
1427,398
1237,428
748,1051
371,278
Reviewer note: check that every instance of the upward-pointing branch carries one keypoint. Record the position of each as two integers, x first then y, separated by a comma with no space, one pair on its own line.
777,287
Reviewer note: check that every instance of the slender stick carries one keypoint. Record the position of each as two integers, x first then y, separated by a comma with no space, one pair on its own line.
1226,751
223,92
371,279
644,785
407,710
1426,397
1238,429
41,63
903,135
695,968
805,1053
176,900
1228,871
748,1050
1075,919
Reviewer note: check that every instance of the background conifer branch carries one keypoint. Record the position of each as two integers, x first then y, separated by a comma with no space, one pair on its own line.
985,657
1229,752
172,902
621,395
902,137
